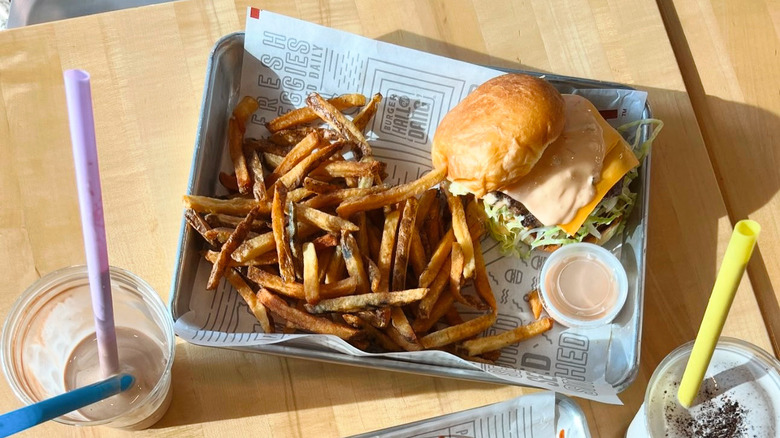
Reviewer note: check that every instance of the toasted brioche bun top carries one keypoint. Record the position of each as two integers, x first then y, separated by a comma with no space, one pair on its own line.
497,133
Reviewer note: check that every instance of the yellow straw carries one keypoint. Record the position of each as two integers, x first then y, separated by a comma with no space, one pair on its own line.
743,239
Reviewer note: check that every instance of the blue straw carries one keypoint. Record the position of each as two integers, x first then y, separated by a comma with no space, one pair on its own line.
34,414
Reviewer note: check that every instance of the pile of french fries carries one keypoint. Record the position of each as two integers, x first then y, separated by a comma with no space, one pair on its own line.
312,236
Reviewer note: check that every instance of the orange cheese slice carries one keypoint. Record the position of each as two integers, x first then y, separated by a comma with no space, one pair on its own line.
619,159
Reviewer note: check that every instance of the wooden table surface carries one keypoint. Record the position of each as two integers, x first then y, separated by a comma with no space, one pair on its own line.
710,70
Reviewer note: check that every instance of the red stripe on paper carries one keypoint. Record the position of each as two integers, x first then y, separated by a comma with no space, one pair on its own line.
254,13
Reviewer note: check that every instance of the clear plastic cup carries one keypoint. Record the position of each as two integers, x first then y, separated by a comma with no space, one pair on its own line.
49,348
739,397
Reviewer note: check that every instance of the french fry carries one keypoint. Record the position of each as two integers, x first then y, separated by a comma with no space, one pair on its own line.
432,225
354,262
236,130
387,248
281,234
417,253
272,160
199,224
305,115
366,113
403,244
318,186
337,197
458,332
391,195
384,341
437,259
374,240
379,318
295,290
235,239
325,241
311,271
263,146
336,266
461,228
216,220
442,306
456,273
256,168
481,280
234,206
536,303
257,308
479,346
324,221
296,154
255,247
295,176
291,136
220,234
354,303
329,113
401,331
453,317
348,169
228,181
425,202
302,319
263,260
425,309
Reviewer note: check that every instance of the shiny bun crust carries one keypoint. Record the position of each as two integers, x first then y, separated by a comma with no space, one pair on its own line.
498,132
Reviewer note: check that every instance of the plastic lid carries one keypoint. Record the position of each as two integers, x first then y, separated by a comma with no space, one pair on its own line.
583,285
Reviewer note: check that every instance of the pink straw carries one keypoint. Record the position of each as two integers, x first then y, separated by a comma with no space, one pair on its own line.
82,134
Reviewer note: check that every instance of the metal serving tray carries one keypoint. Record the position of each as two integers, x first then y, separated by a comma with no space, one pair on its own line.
223,78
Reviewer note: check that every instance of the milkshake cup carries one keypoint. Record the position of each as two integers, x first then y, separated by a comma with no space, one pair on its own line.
739,397
49,347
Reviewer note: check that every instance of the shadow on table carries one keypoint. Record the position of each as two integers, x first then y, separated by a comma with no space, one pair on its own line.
212,384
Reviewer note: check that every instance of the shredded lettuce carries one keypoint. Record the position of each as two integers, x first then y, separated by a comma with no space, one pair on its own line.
515,239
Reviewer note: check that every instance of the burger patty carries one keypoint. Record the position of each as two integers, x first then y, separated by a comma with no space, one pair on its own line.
529,220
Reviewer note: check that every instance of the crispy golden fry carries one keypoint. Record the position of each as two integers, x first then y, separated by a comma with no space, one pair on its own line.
305,115
291,136
296,154
256,167
263,260
354,303
453,317
425,309
391,195
374,275
302,319
362,233
257,308
461,228
437,259
337,197
264,146
456,273
425,202
234,206
325,241
433,224
311,270
379,318
235,239
536,303
281,234
403,244
387,248
324,221
221,234
217,220
354,262
318,186
442,306
417,253
255,247
236,130
374,240
459,332
475,217
401,331
478,346
272,160
348,169
336,267
329,113
228,181
295,176
367,113
295,290
481,280
199,224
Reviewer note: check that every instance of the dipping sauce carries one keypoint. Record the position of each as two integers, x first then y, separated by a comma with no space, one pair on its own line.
583,285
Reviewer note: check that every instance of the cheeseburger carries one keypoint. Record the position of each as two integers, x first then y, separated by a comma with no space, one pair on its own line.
547,167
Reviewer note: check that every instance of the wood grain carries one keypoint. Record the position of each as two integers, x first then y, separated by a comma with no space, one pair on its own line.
148,67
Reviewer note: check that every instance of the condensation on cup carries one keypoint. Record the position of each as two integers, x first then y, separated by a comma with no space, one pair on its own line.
49,347
739,397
